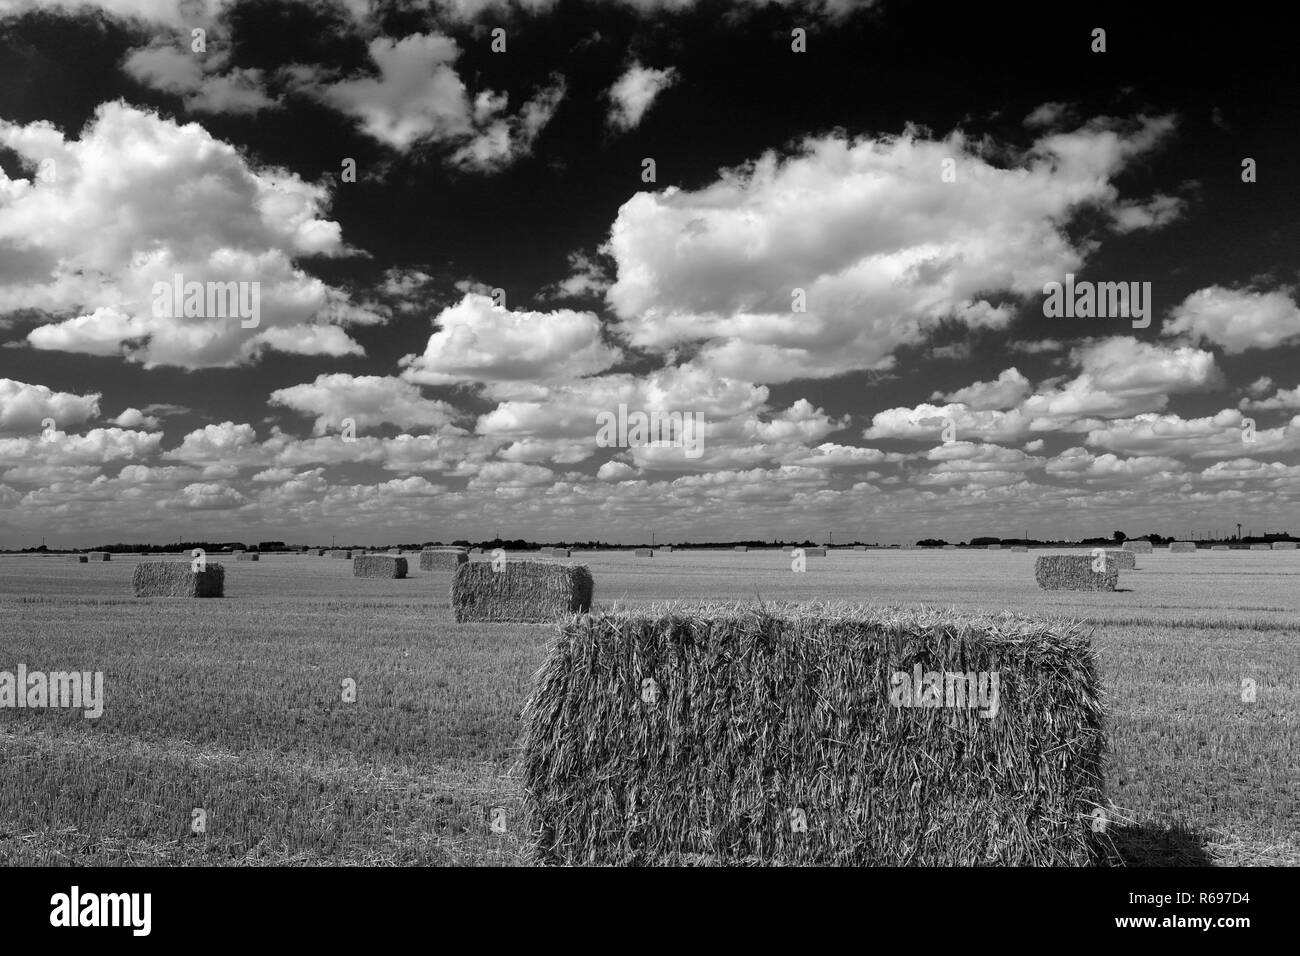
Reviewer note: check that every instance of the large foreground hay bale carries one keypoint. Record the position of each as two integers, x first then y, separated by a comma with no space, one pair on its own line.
1124,560
98,556
1284,545
247,556
1138,547
1260,547
75,558
1073,572
1182,547
378,566
643,553
526,592
176,579
749,735
447,559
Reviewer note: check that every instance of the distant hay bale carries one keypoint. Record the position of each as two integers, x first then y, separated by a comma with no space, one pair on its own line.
1182,547
644,553
560,553
1284,545
1220,547
247,556
1124,560
1261,547
666,736
75,558
340,553
316,552
1019,548
526,592
395,551
814,552
177,579
378,566
98,556
665,549
859,547
1073,572
950,547
993,547
741,547
1138,547
447,559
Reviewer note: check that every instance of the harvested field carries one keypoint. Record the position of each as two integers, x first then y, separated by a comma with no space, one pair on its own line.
526,592
674,679
416,767
1074,572
378,566
178,579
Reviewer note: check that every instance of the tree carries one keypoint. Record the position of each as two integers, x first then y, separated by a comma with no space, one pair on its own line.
1119,535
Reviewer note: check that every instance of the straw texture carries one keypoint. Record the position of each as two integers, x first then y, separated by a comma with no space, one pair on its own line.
176,579
700,735
526,592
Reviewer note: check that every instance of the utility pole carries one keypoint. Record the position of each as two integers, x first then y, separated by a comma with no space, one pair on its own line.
1238,530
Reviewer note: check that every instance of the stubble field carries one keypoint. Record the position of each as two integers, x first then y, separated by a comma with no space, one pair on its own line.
234,706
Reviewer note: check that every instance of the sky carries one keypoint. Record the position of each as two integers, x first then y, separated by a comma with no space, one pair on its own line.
856,240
